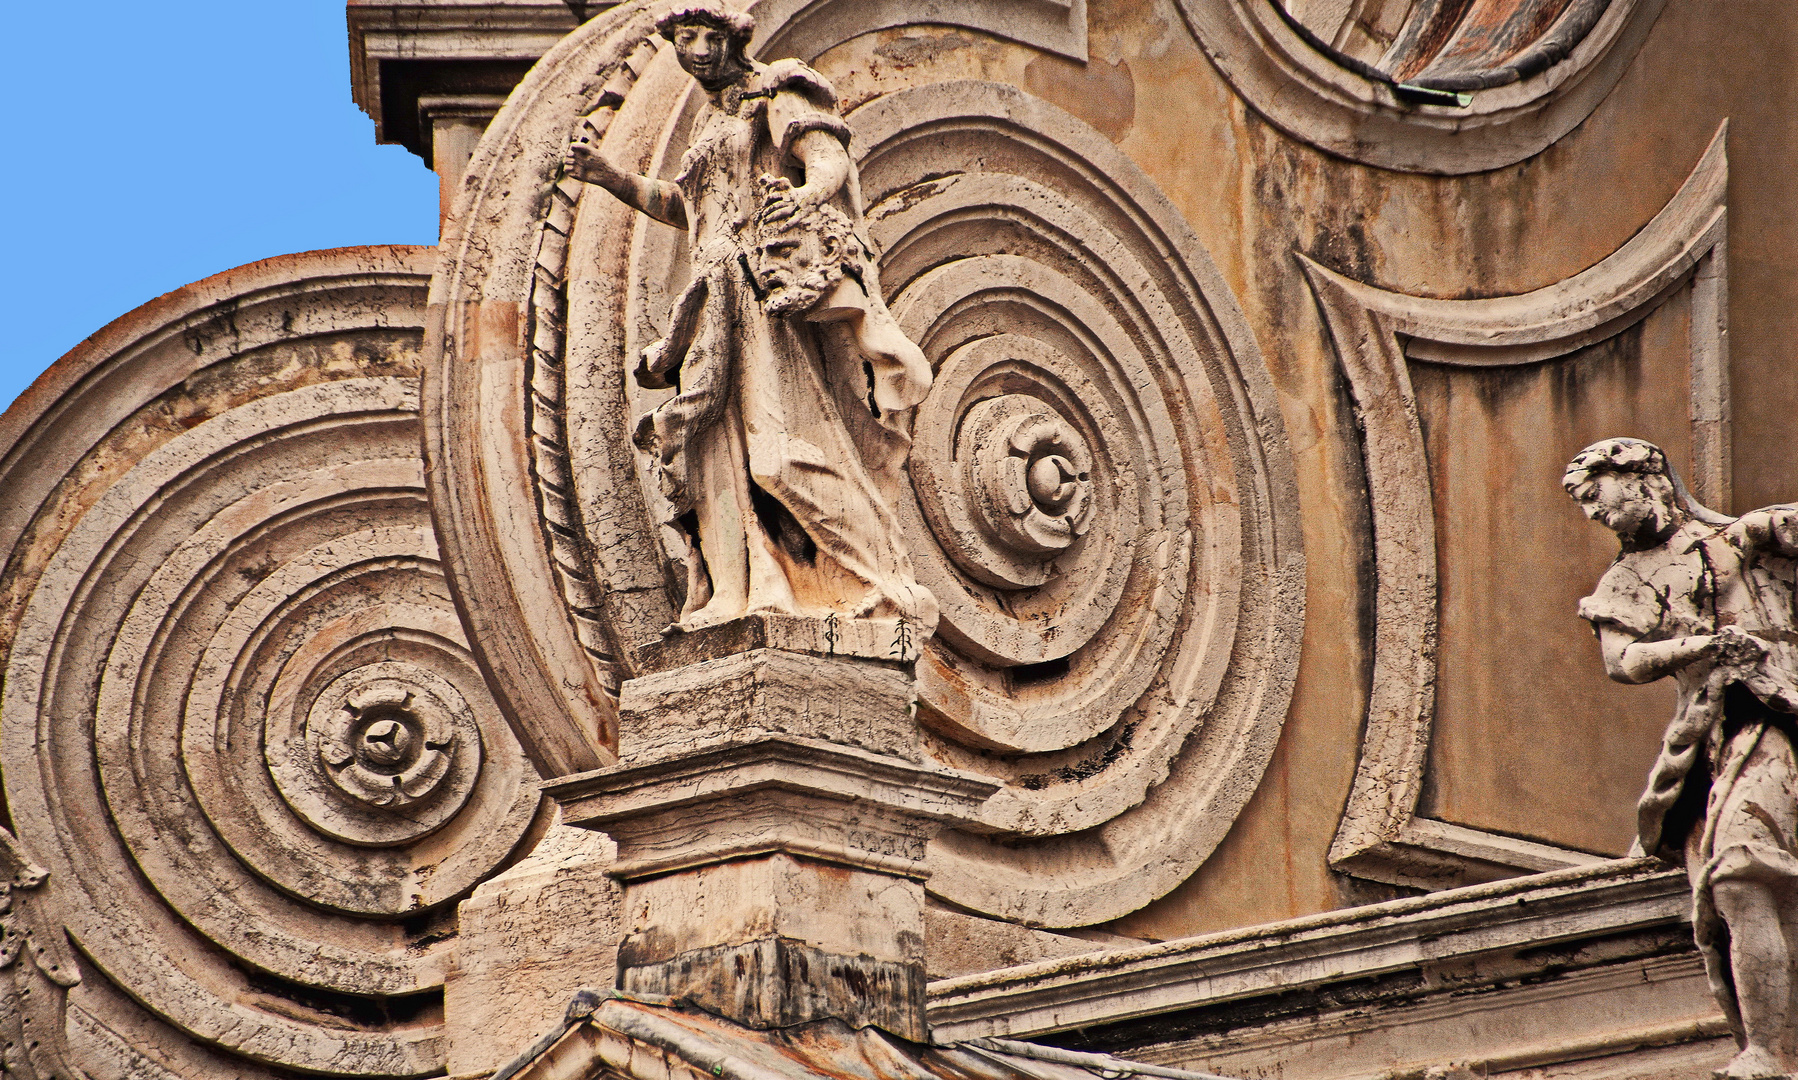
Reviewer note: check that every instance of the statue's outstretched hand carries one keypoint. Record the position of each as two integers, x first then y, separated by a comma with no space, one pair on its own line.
579,159
1734,647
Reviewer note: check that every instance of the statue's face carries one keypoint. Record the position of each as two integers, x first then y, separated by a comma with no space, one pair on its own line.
792,268
1623,503
706,53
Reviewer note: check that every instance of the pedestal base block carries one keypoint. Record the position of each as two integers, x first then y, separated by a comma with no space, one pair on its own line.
771,815
745,696
776,982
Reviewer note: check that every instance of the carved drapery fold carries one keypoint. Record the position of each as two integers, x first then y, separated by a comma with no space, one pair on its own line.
1110,522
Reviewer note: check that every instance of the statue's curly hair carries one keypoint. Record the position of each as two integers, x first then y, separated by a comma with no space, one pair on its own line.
736,25
1635,457
1615,455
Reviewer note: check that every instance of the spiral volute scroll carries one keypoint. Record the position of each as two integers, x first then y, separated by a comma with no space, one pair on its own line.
1102,492
242,725
1103,504
1103,499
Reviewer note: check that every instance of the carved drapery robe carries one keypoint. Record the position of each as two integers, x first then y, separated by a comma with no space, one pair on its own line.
1725,786
779,458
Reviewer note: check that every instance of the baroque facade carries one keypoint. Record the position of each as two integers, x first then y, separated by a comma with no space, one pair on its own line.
1007,538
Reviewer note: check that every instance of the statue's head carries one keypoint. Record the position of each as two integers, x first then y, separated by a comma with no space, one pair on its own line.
709,40
1627,486
800,259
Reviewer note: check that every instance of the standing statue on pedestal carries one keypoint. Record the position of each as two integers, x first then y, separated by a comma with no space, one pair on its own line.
780,458
1709,600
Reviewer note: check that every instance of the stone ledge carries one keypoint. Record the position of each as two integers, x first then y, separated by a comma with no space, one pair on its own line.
402,49
719,803
889,641
1585,903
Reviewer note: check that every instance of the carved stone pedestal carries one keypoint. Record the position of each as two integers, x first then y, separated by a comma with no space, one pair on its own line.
771,815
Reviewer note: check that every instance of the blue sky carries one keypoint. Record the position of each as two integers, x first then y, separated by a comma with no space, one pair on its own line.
151,145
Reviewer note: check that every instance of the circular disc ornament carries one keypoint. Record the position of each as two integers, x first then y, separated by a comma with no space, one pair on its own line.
1103,498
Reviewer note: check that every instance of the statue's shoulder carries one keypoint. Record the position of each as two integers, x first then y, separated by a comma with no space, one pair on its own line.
1771,530
1624,597
797,77
799,100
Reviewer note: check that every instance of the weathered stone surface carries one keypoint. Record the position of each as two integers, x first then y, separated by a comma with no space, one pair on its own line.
892,640
1155,85
1709,601
747,696
526,941
531,937
1440,693
240,725
773,868
1364,102
775,982
956,943
1586,972
1125,645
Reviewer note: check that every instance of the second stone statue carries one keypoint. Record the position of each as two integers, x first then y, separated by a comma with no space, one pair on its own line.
780,459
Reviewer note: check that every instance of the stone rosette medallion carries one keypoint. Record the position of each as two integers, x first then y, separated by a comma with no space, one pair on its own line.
1103,498
243,733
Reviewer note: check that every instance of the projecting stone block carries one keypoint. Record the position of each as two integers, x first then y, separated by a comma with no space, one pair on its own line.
528,940
771,837
751,695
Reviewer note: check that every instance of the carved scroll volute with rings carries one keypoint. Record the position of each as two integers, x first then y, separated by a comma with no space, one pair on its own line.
243,732
1102,497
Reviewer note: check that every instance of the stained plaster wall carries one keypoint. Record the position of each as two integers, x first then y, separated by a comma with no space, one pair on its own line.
1530,738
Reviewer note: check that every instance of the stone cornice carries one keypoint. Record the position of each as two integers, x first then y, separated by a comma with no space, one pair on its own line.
451,42
1584,903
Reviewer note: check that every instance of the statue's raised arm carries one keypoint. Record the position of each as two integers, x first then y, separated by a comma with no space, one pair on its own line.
657,198
779,461
1709,601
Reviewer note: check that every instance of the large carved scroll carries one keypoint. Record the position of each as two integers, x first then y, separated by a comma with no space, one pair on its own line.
242,731
1378,335
1363,112
1104,496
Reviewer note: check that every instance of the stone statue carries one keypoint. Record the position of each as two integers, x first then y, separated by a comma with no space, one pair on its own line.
780,457
1709,600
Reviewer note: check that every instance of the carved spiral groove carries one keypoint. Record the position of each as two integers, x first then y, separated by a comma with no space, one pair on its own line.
1098,474
241,720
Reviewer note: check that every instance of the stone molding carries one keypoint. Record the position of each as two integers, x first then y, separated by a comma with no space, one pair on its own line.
1317,100
816,784
240,721
446,34
806,28
1642,1016
1127,752
771,816
1376,333
1338,947
404,51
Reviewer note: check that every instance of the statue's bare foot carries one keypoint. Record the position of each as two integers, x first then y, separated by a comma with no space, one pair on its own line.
1753,1063
867,605
698,620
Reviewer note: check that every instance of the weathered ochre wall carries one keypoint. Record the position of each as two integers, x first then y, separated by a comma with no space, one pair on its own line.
1556,754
